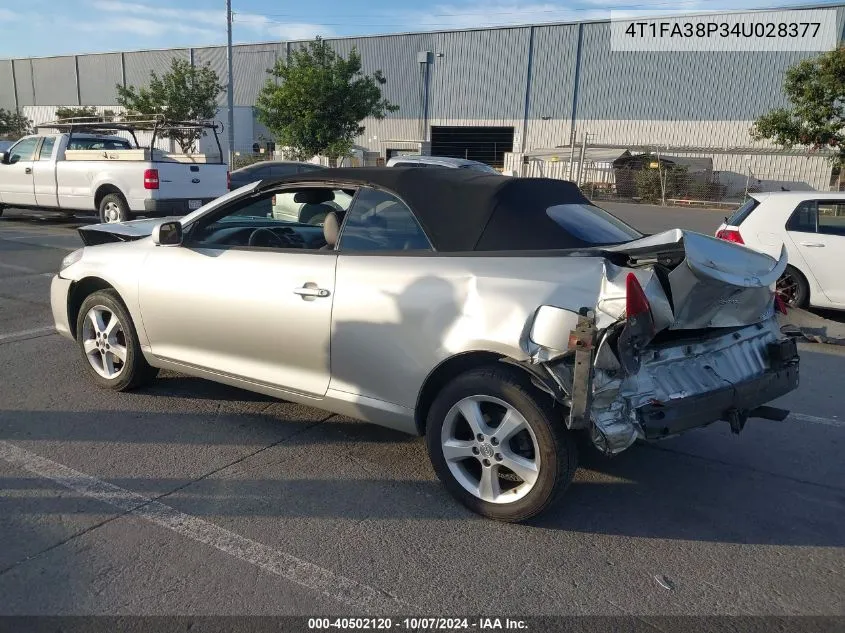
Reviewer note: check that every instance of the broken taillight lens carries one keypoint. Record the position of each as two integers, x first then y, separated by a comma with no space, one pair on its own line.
636,301
730,235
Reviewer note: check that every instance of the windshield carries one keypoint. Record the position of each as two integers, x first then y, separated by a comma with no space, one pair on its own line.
591,224
481,167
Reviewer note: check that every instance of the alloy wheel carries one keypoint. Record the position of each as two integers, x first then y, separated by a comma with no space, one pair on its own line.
104,342
490,449
788,288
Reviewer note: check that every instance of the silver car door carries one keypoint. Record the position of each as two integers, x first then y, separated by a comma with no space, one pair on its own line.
262,315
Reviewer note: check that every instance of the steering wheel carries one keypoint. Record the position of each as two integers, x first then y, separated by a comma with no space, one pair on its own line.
266,237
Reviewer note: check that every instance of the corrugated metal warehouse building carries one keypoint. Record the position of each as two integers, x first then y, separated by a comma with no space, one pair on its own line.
494,94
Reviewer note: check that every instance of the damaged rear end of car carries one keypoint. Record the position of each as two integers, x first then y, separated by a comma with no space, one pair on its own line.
683,333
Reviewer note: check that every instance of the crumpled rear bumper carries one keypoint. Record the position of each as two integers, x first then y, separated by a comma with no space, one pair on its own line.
690,383
732,403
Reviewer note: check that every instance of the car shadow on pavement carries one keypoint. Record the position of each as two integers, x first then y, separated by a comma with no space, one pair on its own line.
180,386
341,469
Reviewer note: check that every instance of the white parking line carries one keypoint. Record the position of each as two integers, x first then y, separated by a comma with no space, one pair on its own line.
801,417
267,558
23,333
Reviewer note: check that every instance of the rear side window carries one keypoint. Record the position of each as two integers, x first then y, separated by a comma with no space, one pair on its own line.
379,221
831,217
743,212
803,219
591,225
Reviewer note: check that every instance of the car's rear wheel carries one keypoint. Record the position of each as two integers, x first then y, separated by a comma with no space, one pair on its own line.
498,445
113,208
793,288
109,343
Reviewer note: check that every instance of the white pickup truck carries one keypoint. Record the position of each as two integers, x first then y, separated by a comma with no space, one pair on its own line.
78,171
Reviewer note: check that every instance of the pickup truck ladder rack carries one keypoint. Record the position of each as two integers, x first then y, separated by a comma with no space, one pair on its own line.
132,124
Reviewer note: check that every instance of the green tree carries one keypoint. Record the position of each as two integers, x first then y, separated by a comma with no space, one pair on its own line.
13,124
88,113
318,106
816,91
183,93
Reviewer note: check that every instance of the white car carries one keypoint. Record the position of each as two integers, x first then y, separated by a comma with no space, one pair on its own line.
812,227
440,161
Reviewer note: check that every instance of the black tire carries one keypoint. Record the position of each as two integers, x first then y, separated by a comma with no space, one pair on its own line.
135,371
793,288
114,202
557,450
2,208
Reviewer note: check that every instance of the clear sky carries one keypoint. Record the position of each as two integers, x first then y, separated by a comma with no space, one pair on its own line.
56,27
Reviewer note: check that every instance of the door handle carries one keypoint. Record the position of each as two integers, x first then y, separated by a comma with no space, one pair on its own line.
306,291
813,244
28,170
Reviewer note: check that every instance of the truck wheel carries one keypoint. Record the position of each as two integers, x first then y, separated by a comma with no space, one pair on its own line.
109,343
113,208
498,445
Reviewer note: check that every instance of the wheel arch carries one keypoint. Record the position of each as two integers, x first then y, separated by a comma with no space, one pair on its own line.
462,362
103,190
79,291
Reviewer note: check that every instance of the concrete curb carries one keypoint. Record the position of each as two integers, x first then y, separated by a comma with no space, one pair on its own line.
812,327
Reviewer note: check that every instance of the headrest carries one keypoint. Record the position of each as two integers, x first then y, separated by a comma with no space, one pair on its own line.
331,227
313,196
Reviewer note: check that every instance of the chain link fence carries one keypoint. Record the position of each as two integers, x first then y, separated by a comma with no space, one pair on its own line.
681,176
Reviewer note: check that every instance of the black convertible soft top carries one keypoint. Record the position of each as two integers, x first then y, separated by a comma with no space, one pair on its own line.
463,210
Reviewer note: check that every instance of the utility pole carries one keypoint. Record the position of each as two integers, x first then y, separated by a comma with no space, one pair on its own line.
581,159
230,98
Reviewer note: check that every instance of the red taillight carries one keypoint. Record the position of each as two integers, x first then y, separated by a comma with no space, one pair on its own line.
636,301
151,179
730,235
274,200
228,181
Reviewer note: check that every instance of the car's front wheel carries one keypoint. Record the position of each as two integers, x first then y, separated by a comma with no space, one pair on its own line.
499,445
109,343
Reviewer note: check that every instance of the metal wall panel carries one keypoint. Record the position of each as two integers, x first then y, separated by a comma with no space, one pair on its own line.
678,85
396,57
553,72
215,57
140,64
7,86
55,80
480,76
98,76
23,82
250,64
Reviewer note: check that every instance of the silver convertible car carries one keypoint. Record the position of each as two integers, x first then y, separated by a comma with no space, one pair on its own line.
501,318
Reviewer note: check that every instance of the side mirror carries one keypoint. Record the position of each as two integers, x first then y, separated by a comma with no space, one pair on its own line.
167,234
4,158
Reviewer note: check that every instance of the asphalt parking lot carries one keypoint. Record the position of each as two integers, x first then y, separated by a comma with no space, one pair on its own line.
194,498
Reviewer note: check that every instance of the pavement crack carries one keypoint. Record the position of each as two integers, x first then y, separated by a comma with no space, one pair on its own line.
237,461
64,541
744,467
